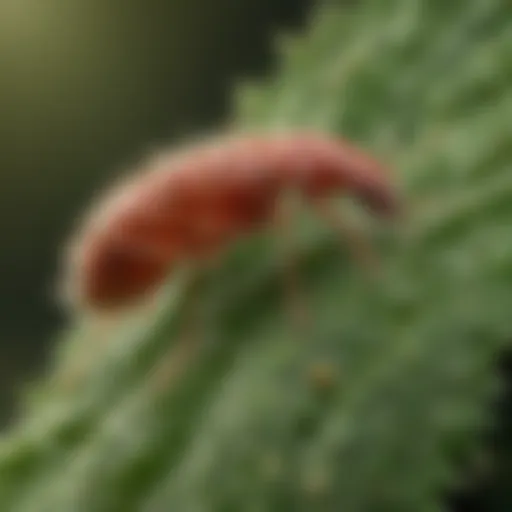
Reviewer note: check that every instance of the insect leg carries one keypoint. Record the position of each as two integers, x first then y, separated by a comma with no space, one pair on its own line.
175,363
294,299
358,244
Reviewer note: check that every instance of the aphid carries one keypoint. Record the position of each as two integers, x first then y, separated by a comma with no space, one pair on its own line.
190,204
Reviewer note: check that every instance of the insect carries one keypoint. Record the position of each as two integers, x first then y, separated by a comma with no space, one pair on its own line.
192,203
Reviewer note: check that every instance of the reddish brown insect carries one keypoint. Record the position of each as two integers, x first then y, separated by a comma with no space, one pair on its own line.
192,203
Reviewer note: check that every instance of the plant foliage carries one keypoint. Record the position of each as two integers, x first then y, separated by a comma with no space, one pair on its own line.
379,404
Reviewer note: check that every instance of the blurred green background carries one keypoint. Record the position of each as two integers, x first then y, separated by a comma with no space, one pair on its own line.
87,87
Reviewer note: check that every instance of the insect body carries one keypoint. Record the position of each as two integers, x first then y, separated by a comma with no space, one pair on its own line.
194,202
